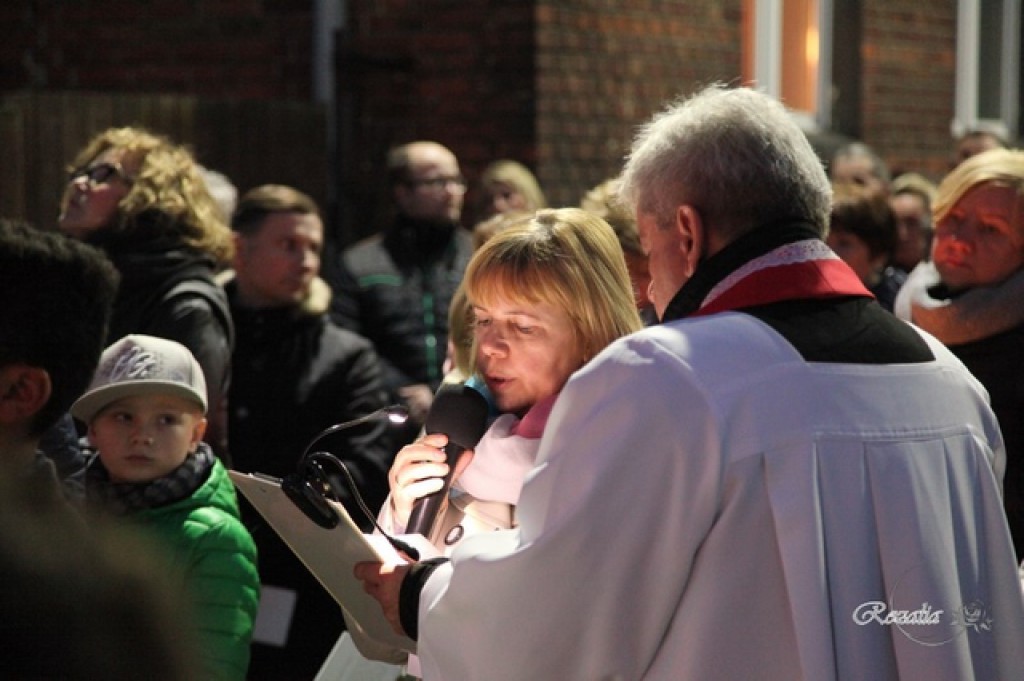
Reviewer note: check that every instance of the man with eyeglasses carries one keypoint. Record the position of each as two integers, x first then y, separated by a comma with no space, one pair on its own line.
396,286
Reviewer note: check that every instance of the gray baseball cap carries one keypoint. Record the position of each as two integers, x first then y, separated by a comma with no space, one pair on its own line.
142,365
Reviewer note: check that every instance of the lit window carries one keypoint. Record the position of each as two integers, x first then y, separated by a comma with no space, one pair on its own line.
786,54
988,49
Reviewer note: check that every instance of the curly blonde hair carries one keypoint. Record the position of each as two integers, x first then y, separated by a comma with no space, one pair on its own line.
169,183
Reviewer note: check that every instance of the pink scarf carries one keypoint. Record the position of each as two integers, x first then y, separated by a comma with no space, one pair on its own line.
505,455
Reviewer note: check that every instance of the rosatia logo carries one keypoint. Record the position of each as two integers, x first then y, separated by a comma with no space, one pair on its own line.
920,620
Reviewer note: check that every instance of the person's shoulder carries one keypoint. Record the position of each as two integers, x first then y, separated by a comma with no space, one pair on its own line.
463,238
208,517
370,244
209,521
201,294
346,340
708,350
724,332
214,499
368,257
213,537
348,359
464,249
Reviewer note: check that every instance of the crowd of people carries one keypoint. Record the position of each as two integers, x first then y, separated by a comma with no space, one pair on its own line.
715,447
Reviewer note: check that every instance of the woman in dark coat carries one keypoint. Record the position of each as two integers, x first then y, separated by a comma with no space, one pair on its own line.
142,199
977,254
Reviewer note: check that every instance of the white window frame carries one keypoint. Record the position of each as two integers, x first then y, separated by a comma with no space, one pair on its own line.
968,46
768,60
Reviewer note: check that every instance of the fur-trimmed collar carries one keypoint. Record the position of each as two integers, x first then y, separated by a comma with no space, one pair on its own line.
316,303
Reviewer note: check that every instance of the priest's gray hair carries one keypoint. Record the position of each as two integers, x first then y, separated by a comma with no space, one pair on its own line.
734,154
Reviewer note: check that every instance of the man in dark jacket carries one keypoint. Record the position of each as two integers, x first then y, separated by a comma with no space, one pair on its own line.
56,298
396,286
115,620
296,374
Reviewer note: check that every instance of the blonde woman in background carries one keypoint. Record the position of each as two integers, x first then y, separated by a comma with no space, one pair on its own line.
978,247
603,202
509,186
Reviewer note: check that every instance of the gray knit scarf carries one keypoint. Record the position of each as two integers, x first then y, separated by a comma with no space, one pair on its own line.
978,313
129,497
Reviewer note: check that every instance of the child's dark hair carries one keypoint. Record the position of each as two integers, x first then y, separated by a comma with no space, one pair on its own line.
866,214
57,296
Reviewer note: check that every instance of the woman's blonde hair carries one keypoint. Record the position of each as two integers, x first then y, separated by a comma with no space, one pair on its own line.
518,176
168,183
1004,167
460,313
567,258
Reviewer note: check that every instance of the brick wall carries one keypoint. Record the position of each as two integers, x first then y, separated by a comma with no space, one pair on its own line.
605,66
460,72
224,48
557,84
908,78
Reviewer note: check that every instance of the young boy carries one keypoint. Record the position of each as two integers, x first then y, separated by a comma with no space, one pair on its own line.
145,412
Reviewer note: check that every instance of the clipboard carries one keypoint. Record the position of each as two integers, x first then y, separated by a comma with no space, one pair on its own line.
329,553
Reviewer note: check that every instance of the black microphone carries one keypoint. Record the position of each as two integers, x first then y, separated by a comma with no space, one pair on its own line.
460,412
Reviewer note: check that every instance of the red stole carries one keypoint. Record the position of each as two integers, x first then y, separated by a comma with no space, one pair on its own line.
800,270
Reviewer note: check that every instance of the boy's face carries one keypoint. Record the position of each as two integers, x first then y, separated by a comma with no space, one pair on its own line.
144,437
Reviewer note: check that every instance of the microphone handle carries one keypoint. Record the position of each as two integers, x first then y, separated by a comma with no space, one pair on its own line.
425,509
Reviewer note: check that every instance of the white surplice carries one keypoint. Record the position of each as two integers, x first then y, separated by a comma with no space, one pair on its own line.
708,505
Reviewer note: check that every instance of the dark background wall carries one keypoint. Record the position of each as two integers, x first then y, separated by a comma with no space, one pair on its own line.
557,84
460,73
605,67
220,48
230,78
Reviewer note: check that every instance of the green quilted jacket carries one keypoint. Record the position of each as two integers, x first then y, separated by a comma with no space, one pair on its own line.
214,557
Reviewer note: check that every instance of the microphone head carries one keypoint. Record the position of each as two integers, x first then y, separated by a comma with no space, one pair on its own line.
460,412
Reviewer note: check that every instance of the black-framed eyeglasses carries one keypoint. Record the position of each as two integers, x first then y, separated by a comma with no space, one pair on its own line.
101,173
458,183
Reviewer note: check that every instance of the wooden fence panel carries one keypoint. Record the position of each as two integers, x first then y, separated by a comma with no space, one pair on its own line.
252,142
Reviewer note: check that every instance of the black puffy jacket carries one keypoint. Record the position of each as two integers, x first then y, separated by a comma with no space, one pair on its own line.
395,288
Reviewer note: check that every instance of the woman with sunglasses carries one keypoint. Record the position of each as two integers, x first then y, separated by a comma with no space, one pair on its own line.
142,199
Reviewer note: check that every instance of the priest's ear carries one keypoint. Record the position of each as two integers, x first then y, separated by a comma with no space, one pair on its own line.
692,237
24,391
